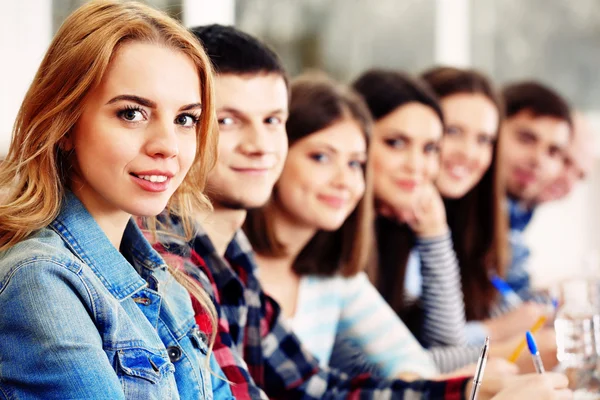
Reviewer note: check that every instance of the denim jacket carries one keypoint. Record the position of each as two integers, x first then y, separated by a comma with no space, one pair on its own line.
81,320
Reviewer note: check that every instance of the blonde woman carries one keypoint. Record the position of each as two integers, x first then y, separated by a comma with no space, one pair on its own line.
113,125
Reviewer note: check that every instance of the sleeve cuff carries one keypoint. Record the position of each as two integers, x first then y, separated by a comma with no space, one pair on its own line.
476,333
435,239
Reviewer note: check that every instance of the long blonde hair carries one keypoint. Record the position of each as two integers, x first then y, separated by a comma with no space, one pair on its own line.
35,171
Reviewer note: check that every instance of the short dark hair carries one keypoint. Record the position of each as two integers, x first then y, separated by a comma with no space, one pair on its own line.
386,90
540,100
235,52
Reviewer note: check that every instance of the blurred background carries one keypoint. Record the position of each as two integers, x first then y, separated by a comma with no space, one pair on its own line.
555,41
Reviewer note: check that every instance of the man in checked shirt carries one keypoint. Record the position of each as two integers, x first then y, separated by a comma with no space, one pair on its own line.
257,351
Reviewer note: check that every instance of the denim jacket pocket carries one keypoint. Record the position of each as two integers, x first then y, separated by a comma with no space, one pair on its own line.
144,372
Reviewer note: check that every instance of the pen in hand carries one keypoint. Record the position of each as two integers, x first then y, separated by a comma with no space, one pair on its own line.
509,295
539,324
480,368
535,354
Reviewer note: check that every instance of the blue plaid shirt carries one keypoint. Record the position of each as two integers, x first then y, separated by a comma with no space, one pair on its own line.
517,275
272,353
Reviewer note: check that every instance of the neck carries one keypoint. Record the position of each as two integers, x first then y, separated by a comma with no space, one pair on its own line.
276,275
221,225
114,227
526,204
112,221
291,234
386,211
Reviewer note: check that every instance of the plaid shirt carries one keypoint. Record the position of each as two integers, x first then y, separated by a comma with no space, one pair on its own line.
250,324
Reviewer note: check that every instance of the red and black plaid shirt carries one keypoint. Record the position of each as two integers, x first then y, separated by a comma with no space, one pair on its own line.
255,347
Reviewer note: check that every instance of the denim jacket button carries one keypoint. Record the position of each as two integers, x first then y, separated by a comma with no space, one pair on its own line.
198,334
174,353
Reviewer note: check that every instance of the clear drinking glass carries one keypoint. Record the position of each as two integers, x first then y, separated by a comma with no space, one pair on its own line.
577,327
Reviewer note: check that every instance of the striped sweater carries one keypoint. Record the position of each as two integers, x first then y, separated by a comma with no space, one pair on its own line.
351,307
433,277
440,291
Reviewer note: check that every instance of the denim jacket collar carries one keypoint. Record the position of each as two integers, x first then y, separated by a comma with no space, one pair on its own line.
88,242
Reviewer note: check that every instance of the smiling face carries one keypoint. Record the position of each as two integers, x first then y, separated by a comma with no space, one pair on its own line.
468,145
578,162
323,178
136,138
252,111
532,153
405,154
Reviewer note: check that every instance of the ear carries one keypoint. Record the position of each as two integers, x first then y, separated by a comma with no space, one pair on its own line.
66,143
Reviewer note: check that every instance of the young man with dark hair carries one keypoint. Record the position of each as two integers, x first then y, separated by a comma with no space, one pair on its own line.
578,162
533,139
254,346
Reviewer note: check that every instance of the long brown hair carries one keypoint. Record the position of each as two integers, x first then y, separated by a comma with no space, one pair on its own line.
385,91
35,172
478,220
317,103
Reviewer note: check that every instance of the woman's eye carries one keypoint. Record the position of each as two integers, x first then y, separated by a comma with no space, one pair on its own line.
131,115
357,164
320,157
484,139
452,130
395,143
187,120
432,148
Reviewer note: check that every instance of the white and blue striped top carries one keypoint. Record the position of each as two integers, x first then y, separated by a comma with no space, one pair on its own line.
330,306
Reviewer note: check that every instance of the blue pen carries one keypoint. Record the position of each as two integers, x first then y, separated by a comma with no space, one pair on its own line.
511,297
554,306
535,354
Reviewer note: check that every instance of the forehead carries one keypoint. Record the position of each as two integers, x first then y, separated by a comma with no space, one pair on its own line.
582,155
251,94
472,105
546,128
154,72
344,136
414,120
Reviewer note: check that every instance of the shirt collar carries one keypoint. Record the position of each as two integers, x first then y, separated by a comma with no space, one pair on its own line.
222,271
239,251
520,216
88,242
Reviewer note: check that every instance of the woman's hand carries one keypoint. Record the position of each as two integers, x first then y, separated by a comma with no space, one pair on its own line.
515,322
495,367
427,217
548,386
546,342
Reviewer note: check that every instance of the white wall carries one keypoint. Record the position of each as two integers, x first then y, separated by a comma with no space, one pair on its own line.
204,12
25,31
452,33
560,237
